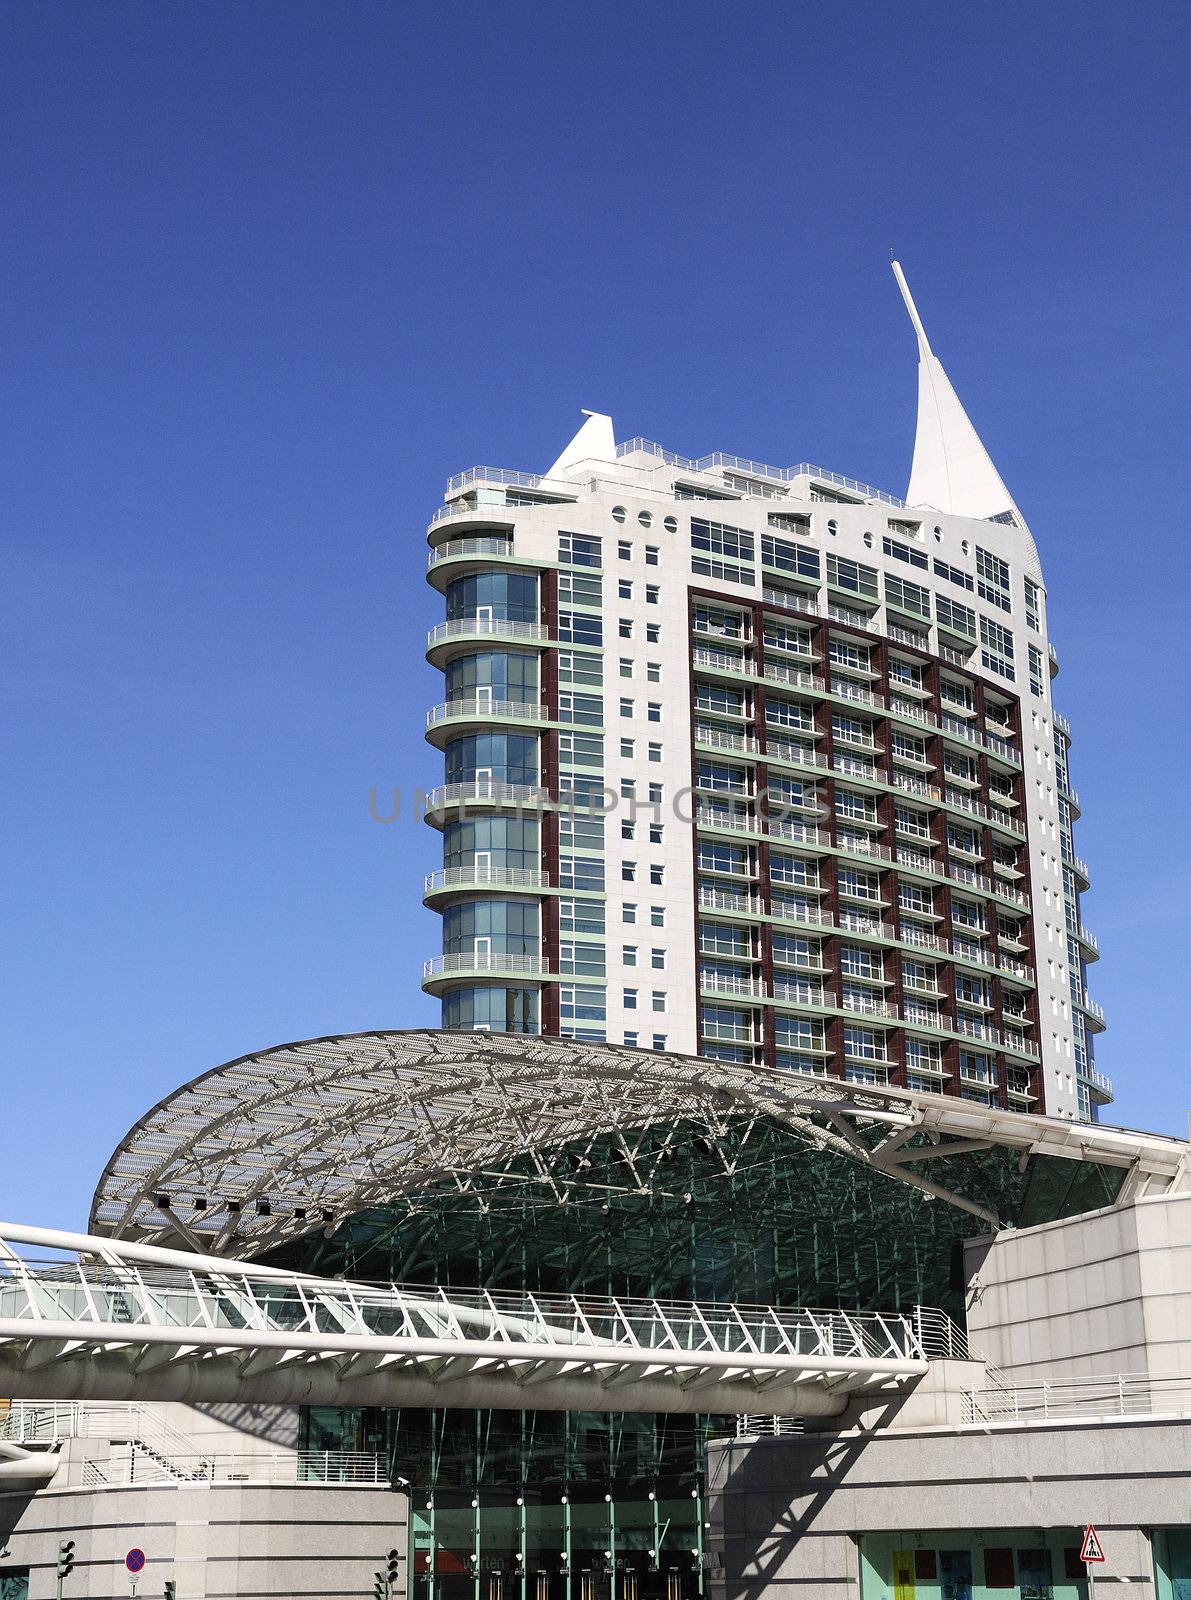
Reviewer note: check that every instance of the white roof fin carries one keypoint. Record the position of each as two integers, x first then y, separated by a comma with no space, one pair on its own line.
952,470
595,441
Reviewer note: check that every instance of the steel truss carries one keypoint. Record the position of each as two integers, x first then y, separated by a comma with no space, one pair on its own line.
304,1136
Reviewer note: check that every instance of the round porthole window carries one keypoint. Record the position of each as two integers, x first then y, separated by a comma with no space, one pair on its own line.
671,524
868,539
938,536
619,513
833,528
644,518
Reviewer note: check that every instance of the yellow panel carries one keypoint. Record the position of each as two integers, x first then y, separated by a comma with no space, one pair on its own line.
903,1575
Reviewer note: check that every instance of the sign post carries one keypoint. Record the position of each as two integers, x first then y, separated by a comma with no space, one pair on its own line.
135,1562
1091,1553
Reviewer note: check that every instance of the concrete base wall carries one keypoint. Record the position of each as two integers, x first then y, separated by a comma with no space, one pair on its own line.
1105,1293
216,1541
785,1512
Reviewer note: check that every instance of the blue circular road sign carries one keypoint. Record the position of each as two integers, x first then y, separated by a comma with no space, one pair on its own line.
135,1560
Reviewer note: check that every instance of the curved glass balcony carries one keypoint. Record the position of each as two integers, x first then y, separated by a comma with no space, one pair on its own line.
454,880
446,637
441,971
454,715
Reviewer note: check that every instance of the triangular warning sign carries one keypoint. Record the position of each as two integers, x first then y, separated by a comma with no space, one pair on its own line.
1092,1549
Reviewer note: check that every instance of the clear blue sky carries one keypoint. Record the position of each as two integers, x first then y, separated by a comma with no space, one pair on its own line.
272,271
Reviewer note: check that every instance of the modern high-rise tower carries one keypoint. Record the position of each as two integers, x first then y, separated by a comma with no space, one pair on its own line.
760,763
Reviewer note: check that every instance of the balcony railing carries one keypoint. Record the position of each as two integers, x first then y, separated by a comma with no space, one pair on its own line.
481,875
483,627
499,475
469,547
482,710
485,961
487,791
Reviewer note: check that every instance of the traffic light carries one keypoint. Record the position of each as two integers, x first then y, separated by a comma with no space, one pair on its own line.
65,1557
391,1570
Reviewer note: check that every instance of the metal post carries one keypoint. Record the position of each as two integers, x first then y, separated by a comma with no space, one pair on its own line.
613,1586
522,1542
566,1541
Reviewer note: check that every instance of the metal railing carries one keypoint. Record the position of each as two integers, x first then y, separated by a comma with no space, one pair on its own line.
484,627
487,791
718,462
485,961
212,1314
480,546
498,877
473,709
502,475
1126,1394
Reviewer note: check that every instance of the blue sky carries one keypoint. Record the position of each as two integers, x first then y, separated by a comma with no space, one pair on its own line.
273,271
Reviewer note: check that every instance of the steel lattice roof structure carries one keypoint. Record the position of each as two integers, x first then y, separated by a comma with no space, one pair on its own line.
303,1136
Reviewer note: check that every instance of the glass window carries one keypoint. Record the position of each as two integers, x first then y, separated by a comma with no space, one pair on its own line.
507,596
491,1008
496,841
718,551
579,550
992,579
578,627
852,576
506,674
500,757
903,552
785,555
502,927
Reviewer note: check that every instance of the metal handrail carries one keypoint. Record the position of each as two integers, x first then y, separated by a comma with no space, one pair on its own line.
481,627
511,710
501,877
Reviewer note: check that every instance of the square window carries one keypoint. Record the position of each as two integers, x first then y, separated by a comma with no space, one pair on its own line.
628,912
657,959
659,1041
628,788
626,666
657,916
651,555
655,752
628,872
657,873
629,955
626,627
626,749
655,833
630,1038
628,830
625,588
659,999
626,706
630,999
653,633
653,671
624,549
652,593
653,710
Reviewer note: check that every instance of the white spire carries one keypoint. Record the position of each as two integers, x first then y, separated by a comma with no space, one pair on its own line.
952,470
595,441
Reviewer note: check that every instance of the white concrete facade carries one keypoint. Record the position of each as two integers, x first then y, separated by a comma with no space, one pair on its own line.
634,504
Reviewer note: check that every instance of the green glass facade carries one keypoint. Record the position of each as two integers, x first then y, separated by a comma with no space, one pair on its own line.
538,1505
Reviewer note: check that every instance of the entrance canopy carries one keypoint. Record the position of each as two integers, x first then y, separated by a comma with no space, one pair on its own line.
300,1138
